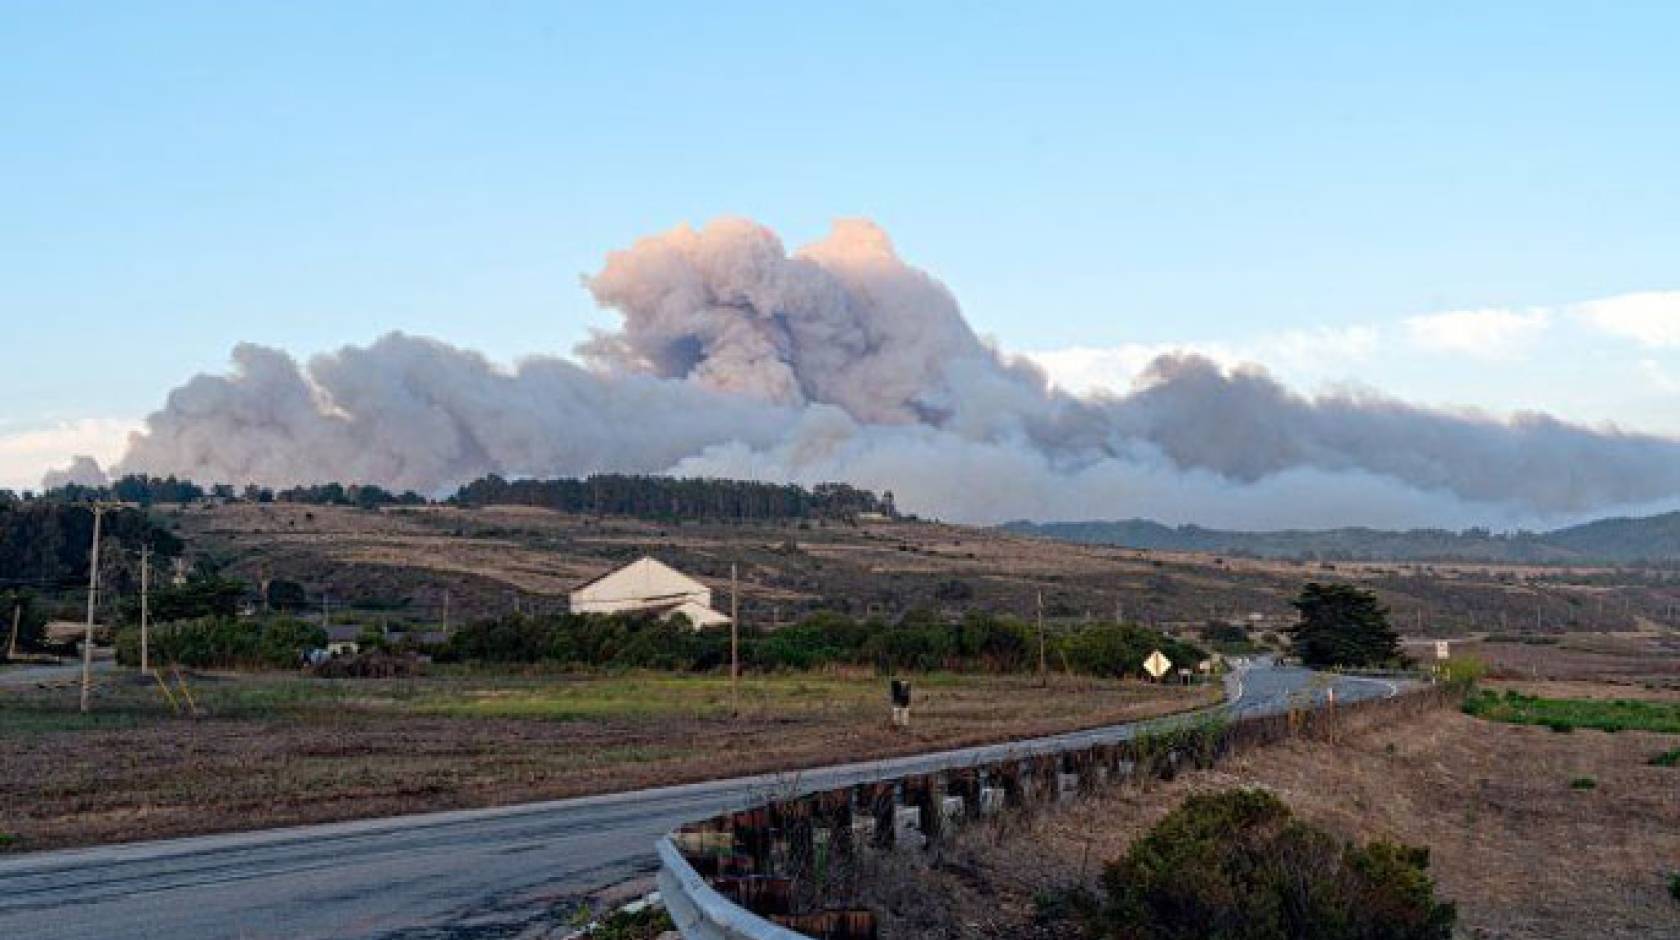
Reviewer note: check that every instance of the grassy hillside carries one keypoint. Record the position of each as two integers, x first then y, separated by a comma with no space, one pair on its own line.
398,563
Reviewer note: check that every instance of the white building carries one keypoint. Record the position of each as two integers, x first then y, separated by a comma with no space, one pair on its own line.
648,586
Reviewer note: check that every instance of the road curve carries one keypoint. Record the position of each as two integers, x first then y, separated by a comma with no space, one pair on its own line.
500,872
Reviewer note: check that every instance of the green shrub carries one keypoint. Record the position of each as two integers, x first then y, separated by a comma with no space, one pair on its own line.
1237,865
1463,672
1109,649
919,642
1674,886
224,643
284,641
1562,714
1670,758
644,924
1583,783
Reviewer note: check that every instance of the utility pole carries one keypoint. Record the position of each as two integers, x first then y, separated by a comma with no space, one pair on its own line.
445,611
326,611
1043,673
93,590
734,640
145,609
17,615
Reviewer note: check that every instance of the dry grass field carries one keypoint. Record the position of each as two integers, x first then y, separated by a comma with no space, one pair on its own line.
1523,853
279,750
1533,833
400,562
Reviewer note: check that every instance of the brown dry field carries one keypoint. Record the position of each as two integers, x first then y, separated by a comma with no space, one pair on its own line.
1622,665
278,751
401,561
1524,856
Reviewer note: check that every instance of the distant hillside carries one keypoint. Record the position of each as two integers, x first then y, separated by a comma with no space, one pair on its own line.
1651,540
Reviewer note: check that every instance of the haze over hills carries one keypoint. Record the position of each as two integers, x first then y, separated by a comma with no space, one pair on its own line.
1620,540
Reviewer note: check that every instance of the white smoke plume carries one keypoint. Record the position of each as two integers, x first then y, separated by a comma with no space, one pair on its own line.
841,362
82,471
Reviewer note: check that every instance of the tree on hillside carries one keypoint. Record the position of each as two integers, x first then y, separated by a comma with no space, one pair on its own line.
1342,625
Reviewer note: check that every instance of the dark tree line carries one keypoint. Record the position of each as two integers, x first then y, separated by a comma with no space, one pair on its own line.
366,496
45,543
652,497
643,497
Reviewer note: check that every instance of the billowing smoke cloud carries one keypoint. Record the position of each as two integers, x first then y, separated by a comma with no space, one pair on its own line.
82,471
840,361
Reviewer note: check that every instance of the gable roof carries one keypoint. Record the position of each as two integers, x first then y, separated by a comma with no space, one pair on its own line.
645,577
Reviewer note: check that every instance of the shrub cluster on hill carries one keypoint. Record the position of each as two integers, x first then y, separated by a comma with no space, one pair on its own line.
917,642
1238,865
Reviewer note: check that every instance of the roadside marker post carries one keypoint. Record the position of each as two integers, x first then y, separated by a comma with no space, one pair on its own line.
900,692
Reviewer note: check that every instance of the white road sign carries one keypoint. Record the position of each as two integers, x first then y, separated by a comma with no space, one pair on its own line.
1442,649
1157,664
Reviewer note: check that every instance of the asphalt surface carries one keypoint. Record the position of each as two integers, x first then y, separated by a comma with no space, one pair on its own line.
68,671
504,872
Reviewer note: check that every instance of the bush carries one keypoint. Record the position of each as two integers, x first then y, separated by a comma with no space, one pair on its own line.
1238,865
1109,649
1463,672
1583,783
919,642
284,641
224,643
1227,637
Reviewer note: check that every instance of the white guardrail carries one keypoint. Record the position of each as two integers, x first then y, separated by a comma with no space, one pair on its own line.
700,912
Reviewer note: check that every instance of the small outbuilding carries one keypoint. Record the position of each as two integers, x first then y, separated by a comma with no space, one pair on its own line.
648,586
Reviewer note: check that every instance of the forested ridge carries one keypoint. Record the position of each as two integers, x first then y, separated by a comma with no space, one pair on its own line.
655,497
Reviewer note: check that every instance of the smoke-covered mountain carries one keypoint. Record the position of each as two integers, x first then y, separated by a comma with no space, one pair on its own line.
1653,539
841,362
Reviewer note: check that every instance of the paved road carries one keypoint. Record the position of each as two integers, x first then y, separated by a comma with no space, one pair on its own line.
70,670
474,873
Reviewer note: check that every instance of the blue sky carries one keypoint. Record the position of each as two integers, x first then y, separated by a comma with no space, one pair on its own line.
1290,185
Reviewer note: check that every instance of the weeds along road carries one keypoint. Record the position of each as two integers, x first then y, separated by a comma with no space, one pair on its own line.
503,872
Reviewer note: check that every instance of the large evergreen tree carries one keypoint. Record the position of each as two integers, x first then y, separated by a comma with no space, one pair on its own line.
1342,625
